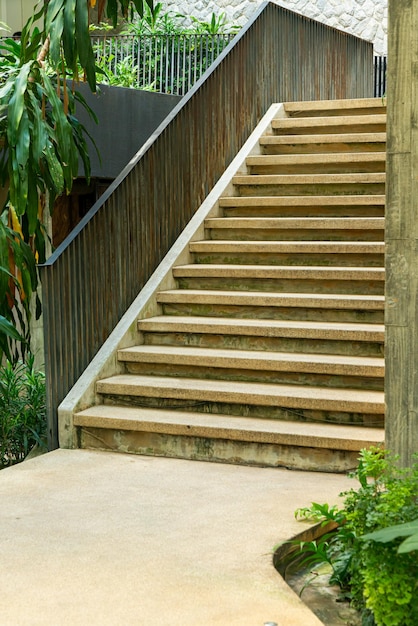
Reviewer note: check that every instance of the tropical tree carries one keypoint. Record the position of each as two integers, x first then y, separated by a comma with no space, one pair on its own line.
41,141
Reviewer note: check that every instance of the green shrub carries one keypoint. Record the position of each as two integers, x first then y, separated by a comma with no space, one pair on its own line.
381,582
22,411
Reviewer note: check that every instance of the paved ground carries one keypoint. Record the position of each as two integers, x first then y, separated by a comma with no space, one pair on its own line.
97,538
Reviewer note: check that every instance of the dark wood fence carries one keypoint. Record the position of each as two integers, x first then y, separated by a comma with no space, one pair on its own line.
92,278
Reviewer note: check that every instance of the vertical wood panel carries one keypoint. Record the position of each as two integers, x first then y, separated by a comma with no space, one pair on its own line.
401,380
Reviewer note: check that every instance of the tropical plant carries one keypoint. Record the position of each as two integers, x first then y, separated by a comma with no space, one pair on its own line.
156,22
41,141
22,411
168,55
376,574
123,74
217,25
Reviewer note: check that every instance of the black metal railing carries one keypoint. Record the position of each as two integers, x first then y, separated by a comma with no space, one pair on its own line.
169,64
95,274
379,75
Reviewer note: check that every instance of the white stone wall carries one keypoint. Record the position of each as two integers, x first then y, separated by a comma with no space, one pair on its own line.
364,18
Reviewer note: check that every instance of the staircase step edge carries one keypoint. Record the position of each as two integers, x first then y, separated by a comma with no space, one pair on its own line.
233,428
269,328
253,359
262,394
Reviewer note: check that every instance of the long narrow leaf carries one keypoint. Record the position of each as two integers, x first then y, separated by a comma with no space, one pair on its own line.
40,135
62,128
54,8
23,140
7,328
56,175
83,39
4,262
55,32
33,201
17,103
68,36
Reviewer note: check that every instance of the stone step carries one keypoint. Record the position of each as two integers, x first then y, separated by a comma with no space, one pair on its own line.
293,228
268,305
309,184
330,124
265,335
335,301
294,253
323,143
268,271
360,106
281,278
265,328
304,206
317,163
244,393
339,365
222,438
299,223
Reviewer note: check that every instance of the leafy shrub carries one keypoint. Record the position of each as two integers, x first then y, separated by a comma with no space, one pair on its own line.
22,411
161,51
381,582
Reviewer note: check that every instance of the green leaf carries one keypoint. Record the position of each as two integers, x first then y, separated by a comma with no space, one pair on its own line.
112,11
85,50
32,49
385,535
54,8
17,103
62,132
25,36
408,529
4,263
139,6
68,38
23,140
7,328
32,201
80,98
55,180
7,88
409,544
55,32
40,135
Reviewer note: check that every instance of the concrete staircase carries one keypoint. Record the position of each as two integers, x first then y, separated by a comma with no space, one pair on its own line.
270,350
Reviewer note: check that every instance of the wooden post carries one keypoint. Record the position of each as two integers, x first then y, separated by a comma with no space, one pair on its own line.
401,314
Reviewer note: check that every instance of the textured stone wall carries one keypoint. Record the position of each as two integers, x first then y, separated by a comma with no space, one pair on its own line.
364,18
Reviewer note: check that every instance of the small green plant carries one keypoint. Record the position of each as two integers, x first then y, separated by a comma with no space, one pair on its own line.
124,74
22,411
217,25
155,22
380,579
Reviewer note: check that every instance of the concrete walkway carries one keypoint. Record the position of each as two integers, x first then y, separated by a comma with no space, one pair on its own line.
101,538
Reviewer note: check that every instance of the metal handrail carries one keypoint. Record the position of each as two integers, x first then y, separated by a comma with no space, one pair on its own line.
95,274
